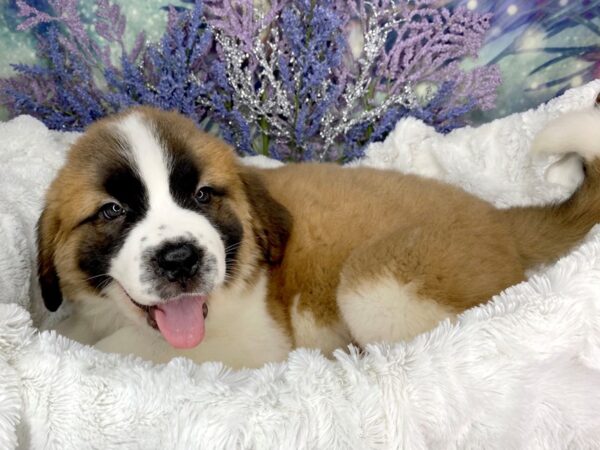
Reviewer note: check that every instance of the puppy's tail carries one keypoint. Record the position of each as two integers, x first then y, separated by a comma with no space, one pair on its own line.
545,233
576,132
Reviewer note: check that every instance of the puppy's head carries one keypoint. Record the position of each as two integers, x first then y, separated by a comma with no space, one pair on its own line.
155,216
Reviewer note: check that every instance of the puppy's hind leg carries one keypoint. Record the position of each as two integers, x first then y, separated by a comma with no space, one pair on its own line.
386,309
407,282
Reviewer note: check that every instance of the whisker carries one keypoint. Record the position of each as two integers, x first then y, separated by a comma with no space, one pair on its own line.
232,273
233,247
104,284
97,276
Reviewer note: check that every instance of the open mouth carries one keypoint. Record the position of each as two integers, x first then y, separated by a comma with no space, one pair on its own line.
150,312
180,320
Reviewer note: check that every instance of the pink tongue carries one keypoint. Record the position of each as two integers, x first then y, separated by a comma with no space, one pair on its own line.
181,320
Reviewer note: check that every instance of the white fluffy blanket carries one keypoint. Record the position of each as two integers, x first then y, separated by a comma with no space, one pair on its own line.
520,372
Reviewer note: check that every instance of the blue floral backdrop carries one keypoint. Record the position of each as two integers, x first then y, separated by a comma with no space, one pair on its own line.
542,47
539,47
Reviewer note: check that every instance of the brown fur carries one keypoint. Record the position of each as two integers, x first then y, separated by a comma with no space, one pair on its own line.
314,226
72,197
543,233
458,249
358,222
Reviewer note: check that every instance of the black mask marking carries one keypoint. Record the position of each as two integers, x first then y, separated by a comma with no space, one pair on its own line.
105,239
183,180
125,185
231,231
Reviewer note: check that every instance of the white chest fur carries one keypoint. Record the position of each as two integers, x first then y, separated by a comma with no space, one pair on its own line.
240,332
309,333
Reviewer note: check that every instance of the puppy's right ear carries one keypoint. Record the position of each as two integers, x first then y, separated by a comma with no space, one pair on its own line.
47,230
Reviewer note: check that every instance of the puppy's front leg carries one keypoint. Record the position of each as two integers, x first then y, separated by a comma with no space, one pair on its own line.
130,340
79,329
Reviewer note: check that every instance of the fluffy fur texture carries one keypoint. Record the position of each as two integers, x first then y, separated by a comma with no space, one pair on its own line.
530,359
519,373
364,255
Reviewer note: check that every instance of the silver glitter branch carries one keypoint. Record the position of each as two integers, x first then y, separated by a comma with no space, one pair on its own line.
245,70
261,96
338,123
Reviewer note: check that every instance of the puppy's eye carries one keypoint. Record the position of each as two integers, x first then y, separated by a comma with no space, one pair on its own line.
111,211
204,195
598,100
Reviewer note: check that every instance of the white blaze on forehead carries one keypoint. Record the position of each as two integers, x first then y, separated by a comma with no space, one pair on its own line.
149,158
164,220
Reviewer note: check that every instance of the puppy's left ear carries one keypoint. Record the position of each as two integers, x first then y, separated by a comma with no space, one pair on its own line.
271,221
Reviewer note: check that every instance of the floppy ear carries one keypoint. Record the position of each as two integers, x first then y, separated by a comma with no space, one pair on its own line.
47,229
271,221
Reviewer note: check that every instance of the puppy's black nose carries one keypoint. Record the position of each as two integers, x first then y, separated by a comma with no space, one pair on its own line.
178,261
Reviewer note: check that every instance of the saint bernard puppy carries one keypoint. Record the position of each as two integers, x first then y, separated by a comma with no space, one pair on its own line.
167,245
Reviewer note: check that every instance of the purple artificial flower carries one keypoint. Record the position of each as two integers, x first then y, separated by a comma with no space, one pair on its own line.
296,80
